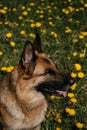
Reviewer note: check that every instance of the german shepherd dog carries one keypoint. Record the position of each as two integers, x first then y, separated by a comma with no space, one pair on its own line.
23,92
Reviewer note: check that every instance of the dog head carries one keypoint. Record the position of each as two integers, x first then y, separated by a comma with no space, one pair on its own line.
39,70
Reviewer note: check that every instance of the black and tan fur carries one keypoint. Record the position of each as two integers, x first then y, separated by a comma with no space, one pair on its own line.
22,92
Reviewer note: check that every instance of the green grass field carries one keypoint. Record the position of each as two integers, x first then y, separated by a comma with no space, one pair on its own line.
62,25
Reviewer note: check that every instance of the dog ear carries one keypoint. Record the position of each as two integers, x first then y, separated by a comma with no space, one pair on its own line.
28,59
37,43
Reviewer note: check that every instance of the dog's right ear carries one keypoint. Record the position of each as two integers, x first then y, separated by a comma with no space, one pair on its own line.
28,59
37,43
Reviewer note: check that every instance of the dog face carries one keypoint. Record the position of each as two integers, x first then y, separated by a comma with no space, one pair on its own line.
41,71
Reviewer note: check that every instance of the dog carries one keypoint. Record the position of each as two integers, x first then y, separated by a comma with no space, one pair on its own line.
23,92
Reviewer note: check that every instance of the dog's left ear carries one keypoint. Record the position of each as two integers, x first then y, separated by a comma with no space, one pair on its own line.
28,59
37,43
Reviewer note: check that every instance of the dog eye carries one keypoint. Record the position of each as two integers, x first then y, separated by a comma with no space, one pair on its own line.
50,71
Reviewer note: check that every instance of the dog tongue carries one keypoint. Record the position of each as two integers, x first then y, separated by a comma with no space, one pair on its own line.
63,93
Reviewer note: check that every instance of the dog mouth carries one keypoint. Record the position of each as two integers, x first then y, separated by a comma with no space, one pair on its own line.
54,88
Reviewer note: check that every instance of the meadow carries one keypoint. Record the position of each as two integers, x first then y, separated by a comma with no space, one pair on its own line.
62,25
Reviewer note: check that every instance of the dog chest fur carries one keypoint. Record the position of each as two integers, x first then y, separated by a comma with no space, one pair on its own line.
29,112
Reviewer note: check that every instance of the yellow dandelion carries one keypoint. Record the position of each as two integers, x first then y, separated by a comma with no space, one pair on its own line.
9,69
14,9
22,7
41,16
38,24
5,8
58,128
69,0
32,35
1,53
70,95
72,112
75,40
74,54
57,116
79,125
2,11
32,25
3,68
8,35
84,33
20,17
85,5
67,109
68,30
81,75
70,20
77,66
73,75
81,55
6,22
54,34
28,9
1,22
25,13
81,36
59,120
22,32
66,11
43,30
52,97
69,58
32,4
74,86
12,44
74,100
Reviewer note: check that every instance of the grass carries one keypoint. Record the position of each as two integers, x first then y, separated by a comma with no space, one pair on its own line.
63,29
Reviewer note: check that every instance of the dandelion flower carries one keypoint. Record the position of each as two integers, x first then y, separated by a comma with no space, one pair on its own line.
74,86
81,55
32,25
70,111
81,75
2,11
74,54
12,44
77,66
22,32
3,68
85,5
1,53
81,36
38,24
8,35
70,95
58,128
9,69
75,41
79,125
73,75
74,100
32,35
25,13
22,7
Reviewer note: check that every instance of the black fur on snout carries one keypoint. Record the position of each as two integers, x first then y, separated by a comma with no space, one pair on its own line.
51,87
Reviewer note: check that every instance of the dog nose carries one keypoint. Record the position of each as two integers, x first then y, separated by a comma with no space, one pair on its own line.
72,81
